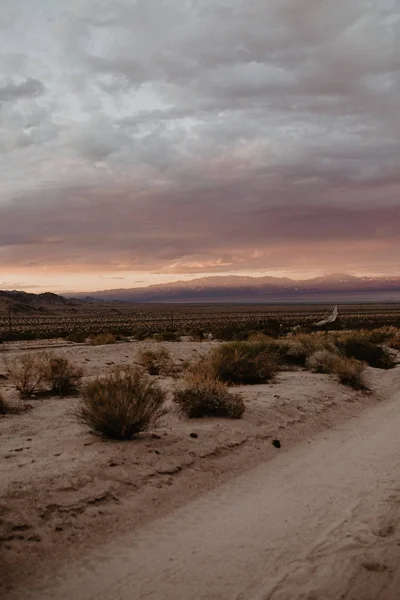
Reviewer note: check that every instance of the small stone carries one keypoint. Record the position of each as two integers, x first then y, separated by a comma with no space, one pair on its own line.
276,443
193,435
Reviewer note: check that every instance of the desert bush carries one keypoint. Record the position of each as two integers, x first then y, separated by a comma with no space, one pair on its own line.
27,372
167,336
156,362
79,337
362,349
202,396
348,370
122,404
102,339
239,363
322,361
60,375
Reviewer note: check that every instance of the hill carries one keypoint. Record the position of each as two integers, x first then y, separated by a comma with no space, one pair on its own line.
335,287
24,302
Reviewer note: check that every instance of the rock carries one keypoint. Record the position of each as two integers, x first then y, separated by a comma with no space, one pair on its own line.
155,436
193,435
276,443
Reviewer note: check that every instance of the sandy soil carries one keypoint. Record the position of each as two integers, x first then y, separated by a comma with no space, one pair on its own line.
65,491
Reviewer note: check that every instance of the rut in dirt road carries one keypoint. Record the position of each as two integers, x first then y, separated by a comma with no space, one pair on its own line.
319,521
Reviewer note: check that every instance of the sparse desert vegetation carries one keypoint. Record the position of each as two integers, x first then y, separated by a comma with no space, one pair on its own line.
204,396
240,363
27,372
36,372
60,375
102,339
122,404
147,430
157,362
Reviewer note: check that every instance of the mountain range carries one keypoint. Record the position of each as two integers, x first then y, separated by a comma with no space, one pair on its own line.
236,289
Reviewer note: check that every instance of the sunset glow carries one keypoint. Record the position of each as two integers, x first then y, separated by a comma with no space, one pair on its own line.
145,142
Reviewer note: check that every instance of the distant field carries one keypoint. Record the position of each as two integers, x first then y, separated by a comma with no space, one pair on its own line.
187,319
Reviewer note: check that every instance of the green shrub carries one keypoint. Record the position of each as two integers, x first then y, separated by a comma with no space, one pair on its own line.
102,339
157,362
60,375
204,396
361,349
122,404
238,363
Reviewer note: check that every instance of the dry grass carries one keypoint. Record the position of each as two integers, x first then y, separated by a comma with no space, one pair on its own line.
204,396
358,346
102,339
27,372
122,404
240,363
157,362
61,376
348,370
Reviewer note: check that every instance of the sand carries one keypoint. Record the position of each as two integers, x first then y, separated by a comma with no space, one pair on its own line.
65,492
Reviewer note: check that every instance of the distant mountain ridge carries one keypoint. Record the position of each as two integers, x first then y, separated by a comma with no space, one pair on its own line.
238,288
24,302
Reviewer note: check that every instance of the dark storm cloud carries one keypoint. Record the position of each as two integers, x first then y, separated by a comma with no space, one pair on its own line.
231,134
27,89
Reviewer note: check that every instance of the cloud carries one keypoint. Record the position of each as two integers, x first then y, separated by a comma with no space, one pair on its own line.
166,136
27,89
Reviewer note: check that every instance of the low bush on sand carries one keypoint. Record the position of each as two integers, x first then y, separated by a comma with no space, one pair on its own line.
60,375
27,372
102,339
354,346
156,362
37,372
239,363
204,396
167,336
348,370
79,337
122,404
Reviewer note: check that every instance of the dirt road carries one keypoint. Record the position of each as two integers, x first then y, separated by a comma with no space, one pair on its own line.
318,522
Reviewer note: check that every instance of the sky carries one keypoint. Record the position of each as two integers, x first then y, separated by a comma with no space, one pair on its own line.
145,141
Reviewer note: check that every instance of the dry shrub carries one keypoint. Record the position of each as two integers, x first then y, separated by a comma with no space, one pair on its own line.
167,336
238,363
349,370
78,337
157,362
257,336
27,372
60,375
296,349
122,404
359,347
204,396
102,339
